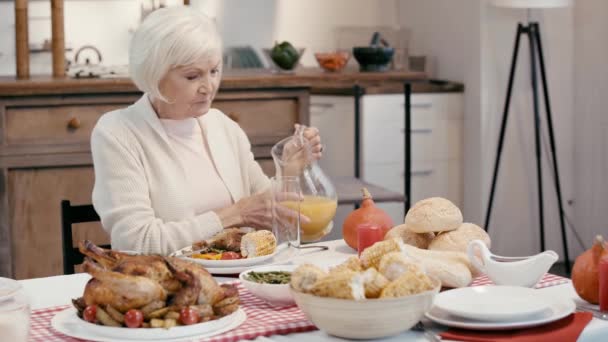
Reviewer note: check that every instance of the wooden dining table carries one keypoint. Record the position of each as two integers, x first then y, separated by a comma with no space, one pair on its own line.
59,290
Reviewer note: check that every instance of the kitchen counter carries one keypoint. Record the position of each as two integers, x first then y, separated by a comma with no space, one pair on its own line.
317,80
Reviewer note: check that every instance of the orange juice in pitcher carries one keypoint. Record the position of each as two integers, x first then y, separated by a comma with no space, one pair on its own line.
293,158
320,210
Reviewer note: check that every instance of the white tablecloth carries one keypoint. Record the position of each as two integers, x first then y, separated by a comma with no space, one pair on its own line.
59,290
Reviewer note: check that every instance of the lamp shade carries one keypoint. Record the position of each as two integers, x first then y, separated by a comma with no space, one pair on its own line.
532,3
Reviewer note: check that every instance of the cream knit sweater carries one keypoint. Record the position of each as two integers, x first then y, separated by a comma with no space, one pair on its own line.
140,191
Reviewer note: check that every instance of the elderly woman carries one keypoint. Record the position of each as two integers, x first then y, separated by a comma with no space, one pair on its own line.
169,169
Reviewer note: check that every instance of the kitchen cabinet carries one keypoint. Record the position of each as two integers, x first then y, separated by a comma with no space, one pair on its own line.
334,117
436,137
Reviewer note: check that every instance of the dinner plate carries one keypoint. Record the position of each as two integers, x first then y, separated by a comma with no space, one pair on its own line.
558,308
492,303
283,255
67,322
232,263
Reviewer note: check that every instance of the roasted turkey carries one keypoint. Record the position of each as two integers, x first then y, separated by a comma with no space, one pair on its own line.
126,281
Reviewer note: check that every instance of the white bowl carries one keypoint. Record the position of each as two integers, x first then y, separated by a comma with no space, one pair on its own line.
366,319
273,294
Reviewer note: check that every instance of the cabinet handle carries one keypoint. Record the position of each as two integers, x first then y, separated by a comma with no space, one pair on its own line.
233,117
74,123
419,173
322,105
419,130
419,105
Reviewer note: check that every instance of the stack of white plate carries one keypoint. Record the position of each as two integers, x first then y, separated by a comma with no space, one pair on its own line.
497,308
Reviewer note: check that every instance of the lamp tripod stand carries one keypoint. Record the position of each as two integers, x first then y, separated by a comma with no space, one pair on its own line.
536,55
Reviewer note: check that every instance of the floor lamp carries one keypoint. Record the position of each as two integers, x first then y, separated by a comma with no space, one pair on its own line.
531,29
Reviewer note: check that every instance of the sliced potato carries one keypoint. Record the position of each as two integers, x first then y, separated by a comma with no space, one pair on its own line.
157,323
104,318
115,314
170,323
204,310
157,313
152,306
172,315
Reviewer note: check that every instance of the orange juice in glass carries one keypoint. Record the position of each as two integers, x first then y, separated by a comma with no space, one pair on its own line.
320,210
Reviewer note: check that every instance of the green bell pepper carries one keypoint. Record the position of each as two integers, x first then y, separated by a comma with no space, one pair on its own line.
285,55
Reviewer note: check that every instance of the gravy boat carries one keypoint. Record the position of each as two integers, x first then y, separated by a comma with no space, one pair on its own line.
514,271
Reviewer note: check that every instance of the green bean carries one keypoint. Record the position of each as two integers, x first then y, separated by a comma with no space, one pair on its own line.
272,277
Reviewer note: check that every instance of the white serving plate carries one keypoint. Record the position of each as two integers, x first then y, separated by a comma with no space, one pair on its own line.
558,308
232,263
492,303
283,255
67,322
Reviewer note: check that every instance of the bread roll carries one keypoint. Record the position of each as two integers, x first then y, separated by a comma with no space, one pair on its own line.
453,269
407,236
435,214
458,240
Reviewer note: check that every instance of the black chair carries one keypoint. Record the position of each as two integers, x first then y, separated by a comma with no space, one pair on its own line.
71,214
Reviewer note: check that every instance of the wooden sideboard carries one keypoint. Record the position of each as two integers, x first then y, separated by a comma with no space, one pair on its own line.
45,126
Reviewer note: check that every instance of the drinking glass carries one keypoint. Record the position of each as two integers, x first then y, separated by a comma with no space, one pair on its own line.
14,311
286,200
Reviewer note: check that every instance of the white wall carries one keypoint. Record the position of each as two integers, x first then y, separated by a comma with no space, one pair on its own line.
449,33
471,41
312,23
591,119
515,217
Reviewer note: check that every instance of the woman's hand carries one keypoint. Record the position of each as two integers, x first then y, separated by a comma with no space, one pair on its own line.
256,211
296,155
311,134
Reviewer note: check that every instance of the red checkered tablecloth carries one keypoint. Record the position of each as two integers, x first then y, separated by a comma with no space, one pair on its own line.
547,280
262,320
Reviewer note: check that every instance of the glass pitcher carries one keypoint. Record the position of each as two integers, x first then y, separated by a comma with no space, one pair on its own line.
293,157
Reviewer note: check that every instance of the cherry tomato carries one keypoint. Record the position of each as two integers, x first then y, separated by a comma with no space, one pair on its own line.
134,318
230,256
189,316
89,313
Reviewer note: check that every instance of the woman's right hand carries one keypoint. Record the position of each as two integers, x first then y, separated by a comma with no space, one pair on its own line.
256,211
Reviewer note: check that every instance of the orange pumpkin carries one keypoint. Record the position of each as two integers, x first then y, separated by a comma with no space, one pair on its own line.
585,275
368,213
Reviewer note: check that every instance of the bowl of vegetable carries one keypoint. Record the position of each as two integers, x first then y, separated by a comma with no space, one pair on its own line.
284,57
270,283
332,61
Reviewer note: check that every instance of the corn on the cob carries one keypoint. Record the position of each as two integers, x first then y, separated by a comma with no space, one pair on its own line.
372,255
351,263
258,243
373,283
407,284
345,285
305,276
394,264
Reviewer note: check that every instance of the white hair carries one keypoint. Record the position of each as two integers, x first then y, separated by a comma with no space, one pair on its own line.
168,38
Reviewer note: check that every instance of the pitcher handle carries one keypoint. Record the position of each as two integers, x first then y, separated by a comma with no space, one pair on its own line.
485,254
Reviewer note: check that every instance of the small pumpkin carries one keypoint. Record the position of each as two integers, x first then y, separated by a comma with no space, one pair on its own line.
585,273
368,213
